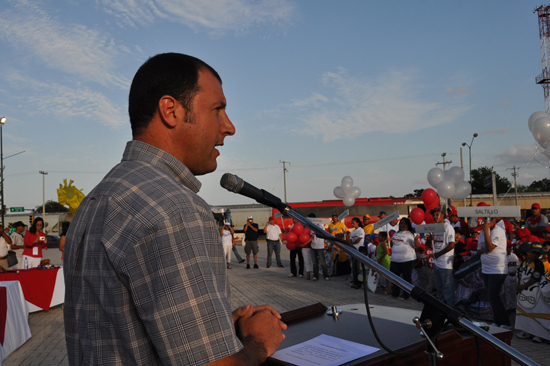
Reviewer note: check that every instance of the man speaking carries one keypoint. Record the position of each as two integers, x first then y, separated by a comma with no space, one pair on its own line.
145,273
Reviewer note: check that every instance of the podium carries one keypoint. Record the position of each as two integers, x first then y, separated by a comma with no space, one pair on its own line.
395,328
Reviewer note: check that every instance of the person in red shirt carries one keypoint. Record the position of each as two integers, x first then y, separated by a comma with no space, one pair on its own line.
458,222
537,222
35,240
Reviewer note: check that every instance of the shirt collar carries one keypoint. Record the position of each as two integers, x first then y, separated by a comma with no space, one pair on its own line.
141,151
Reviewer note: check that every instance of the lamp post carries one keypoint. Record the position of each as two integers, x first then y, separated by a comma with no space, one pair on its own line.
470,152
2,121
44,197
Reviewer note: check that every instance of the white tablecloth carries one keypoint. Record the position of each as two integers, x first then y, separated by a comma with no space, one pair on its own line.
17,330
58,296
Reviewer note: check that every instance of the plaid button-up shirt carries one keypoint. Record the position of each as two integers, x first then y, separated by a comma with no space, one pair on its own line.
145,275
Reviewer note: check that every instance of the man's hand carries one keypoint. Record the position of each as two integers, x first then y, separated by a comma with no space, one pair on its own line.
261,331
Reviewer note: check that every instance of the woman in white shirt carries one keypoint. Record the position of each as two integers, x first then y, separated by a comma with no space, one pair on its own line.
403,254
227,242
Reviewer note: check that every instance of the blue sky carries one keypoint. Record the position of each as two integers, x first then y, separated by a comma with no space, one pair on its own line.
370,89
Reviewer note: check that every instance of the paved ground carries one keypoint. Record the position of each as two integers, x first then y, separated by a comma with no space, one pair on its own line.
256,286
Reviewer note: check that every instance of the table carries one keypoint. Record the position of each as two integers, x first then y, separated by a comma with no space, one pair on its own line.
15,331
42,288
395,328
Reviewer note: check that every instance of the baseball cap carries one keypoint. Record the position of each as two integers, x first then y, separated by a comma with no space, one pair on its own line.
250,218
509,243
19,223
533,239
366,216
535,205
453,212
382,213
482,204
536,246
271,218
227,223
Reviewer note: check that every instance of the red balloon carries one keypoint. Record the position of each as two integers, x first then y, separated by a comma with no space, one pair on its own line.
306,231
429,218
291,237
298,228
430,197
290,245
303,238
417,216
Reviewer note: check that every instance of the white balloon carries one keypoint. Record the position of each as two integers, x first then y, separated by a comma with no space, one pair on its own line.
547,153
347,184
533,118
455,175
541,129
462,190
349,200
338,192
446,189
435,176
355,192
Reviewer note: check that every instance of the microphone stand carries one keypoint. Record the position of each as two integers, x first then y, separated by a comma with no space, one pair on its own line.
434,313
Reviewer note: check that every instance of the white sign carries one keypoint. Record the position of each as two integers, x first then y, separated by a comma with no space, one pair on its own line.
430,228
489,211
319,221
343,215
385,220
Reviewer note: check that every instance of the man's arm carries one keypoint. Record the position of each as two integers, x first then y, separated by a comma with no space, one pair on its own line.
447,249
265,228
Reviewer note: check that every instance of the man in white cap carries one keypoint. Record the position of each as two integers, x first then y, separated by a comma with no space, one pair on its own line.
251,241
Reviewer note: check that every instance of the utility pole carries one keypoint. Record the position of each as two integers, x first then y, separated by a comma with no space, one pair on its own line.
44,197
515,175
444,163
284,174
462,166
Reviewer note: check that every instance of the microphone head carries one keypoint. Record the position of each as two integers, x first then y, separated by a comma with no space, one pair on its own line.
231,182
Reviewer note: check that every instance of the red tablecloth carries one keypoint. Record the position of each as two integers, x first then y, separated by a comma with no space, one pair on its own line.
37,284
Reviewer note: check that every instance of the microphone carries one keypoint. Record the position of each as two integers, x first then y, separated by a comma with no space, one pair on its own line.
235,184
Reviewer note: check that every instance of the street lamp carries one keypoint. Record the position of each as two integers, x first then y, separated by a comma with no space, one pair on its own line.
2,121
470,151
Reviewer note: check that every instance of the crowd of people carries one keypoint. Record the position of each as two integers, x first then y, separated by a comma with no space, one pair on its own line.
512,257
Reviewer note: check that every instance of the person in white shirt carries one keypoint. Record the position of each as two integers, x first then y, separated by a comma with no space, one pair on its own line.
443,249
494,266
17,243
227,242
5,240
511,280
273,235
356,237
318,253
403,255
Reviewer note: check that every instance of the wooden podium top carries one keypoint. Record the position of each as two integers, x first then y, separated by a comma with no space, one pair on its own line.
395,328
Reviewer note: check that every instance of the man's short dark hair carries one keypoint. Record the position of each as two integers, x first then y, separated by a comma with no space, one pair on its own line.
171,74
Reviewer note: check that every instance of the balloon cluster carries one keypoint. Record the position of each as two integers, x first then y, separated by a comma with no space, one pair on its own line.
449,184
297,236
431,200
539,124
346,191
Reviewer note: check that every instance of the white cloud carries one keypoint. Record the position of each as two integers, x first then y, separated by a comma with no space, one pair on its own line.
459,90
391,104
216,17
68,102
71,48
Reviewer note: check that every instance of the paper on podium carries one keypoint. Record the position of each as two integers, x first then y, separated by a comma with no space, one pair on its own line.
323,350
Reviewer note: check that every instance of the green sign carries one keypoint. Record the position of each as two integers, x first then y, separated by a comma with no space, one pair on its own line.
17,209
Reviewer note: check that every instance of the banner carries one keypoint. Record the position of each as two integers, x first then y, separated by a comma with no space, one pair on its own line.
533,309
470,293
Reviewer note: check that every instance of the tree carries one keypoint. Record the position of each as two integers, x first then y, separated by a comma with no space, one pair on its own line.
52,206
416,193
478,179
542,185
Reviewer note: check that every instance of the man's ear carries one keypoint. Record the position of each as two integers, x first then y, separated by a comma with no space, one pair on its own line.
171,111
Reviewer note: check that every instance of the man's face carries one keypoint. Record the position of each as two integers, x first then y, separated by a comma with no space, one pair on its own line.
394,222
19,229
438,217
366,220
453,219
536,211
207,127
334,219
251,220
382,216
475,235
534,255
